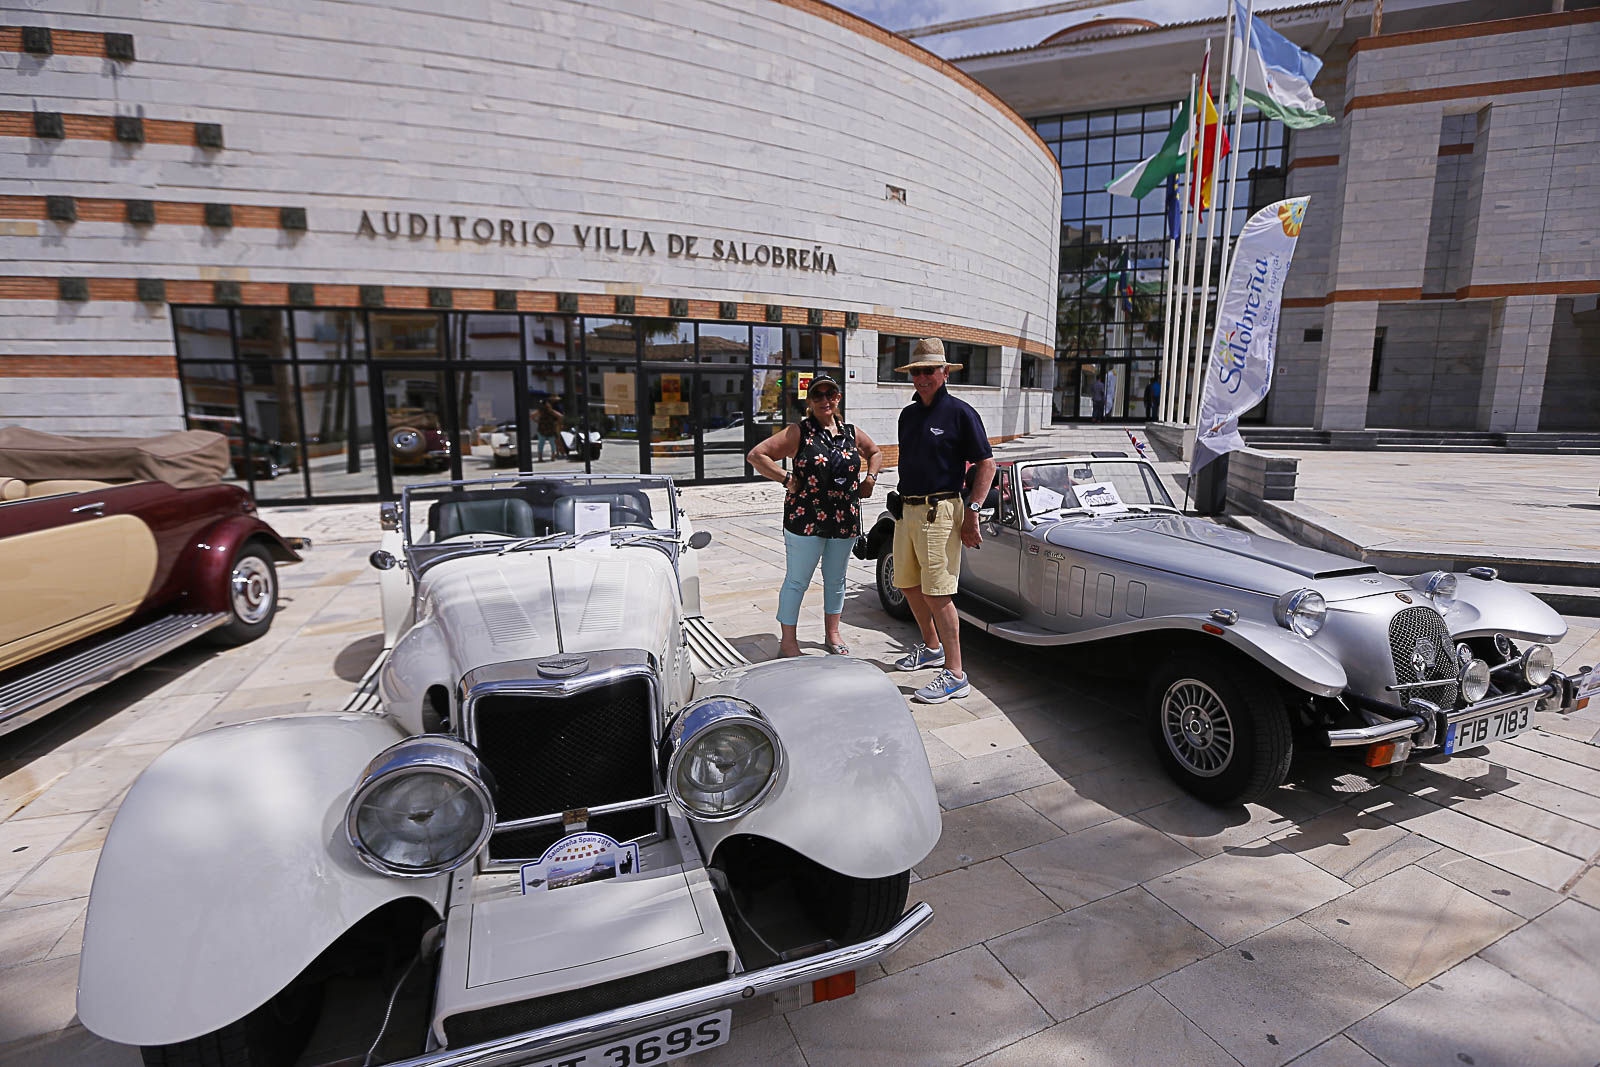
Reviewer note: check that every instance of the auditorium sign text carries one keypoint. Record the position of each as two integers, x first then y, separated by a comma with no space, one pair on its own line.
606,240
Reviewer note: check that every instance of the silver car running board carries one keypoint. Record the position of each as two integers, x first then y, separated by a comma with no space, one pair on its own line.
37,694
711,651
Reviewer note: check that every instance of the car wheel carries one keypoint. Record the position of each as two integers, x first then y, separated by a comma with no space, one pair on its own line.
854,909
273,1035
1222,733
891,596
407,443
252,596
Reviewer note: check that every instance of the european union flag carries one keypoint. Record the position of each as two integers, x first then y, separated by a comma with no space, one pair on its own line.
1174,221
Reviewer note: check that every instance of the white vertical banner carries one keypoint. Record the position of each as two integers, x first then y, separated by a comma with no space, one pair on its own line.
1243,346
758,374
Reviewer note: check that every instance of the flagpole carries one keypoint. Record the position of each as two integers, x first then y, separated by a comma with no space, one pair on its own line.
1166,325
1226,263
1185,263
1211,225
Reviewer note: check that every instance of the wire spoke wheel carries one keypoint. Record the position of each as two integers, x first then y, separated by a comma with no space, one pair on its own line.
252,588
1197,727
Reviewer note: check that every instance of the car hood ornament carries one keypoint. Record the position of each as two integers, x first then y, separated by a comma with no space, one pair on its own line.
562,666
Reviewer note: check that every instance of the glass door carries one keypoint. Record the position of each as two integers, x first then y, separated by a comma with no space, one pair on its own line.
415,416
488,431
667,422
723,414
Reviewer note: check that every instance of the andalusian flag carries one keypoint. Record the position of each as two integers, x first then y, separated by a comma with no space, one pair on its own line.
1149,173
1201,158
1278,75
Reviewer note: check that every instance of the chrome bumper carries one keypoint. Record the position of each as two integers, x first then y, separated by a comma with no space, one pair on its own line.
603,1026
1559,685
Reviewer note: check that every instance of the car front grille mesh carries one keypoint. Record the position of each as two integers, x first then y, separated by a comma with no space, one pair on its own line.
553,754
1415,625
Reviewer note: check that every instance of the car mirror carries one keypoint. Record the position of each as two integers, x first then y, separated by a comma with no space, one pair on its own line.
382,560
699,539
389,515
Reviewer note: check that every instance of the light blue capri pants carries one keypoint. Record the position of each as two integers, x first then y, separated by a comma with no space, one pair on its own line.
803,553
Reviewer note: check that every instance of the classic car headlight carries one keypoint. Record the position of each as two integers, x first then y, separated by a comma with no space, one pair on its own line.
1301,610
1473,680
1538,664
1441,586
422,807
725,758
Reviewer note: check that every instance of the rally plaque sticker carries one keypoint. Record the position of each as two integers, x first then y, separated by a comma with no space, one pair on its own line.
578,858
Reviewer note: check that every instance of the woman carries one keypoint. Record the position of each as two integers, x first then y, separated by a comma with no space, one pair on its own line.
822,508
547,427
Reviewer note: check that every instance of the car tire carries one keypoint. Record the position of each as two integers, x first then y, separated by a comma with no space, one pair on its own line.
890,596
273,1035
855,909
1221,731
408,443
251,594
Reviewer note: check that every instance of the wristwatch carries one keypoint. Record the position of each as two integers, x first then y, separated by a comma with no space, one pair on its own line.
974,507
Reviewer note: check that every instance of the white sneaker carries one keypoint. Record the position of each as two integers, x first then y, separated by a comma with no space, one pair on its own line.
921,656
944,686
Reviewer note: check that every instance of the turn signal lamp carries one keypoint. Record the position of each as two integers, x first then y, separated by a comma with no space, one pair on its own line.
1385,753
833,987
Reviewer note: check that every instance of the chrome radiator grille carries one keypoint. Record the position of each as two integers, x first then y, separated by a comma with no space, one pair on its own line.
554,753
1418,636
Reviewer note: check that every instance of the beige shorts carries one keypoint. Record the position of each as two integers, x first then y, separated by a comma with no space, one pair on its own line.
928,554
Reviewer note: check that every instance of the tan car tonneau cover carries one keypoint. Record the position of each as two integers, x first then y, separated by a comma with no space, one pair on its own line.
184,460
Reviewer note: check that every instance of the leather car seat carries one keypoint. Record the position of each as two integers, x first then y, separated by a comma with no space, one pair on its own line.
501,514
566,509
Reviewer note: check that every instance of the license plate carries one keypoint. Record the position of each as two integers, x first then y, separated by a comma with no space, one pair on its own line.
658,1046
1493,726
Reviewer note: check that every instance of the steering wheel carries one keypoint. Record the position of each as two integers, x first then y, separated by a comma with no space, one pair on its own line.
639,517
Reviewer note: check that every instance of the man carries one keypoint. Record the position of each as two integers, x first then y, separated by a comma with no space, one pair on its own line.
1097,398
1109,405
939,436
1152,397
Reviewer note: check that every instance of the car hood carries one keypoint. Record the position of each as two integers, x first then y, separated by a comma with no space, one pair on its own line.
1219,554
524,605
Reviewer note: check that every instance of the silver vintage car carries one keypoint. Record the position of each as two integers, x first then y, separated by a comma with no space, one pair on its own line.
576,827
1250,645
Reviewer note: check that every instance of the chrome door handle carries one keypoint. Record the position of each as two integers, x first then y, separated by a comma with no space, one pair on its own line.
97,508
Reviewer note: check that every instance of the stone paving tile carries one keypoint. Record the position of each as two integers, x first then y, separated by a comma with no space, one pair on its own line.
1585,755
96,783
1136,1028
1100,796
1477,1013
64,876
1099,951
981,736
1099,861
1279,994
1587,888
1548,796
30,934
37,998
983,831
1558,953
1338,1052
768,1041
938,752
1207,830
1551,768
1557,831
1353,847
971,905
1491,883
997,774
1413,924
26,843
1240,893
966,1005
74,1046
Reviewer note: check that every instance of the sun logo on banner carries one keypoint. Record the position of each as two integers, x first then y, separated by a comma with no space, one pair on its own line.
1291,214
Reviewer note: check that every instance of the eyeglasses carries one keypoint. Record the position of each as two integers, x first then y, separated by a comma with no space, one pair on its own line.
923,372
825,394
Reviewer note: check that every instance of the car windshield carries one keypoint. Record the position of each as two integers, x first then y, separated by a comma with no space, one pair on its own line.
1081,486
516,513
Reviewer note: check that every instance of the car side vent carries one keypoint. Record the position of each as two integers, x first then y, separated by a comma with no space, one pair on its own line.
1345,572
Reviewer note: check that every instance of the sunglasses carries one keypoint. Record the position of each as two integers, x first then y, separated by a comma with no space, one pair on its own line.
825,394
924,372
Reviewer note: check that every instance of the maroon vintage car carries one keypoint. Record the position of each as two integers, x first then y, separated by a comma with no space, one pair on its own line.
114,551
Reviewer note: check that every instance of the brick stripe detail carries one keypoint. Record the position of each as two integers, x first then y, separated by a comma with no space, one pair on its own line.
891,453
88,367
63,42
1576,287
1313,161
98,128
1460,92
1305,301
1455,150
911,50
1468,30
168,212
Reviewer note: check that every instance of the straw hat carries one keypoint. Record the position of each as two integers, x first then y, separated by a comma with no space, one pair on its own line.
929,353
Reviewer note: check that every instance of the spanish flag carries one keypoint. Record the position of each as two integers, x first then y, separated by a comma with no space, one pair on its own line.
1200,158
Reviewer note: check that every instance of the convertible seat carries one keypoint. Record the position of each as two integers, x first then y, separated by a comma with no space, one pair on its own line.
498,514
566,510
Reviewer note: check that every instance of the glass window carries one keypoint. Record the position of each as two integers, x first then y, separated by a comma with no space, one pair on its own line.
548,338
489,337
668,339
1049,129
613,412
203,333
330,335
1073,152
556,423
609,339
338,420
211,402
830,346
1073,126
263,333
724,343
1099,149
1129,148
800,346
271,427
892,352
406,335
1072,180
1102,122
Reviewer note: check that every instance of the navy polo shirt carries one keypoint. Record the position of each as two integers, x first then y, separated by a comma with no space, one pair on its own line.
937,441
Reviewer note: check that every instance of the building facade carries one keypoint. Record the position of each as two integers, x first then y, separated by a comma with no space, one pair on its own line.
390,244
1447,274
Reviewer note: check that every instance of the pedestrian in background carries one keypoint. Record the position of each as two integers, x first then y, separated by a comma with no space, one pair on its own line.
821,508
1097,398
1152,397
547,427
939,436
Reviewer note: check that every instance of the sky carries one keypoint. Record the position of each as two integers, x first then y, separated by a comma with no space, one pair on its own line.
907,14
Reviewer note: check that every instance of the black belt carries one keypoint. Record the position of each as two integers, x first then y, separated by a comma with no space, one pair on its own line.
929,498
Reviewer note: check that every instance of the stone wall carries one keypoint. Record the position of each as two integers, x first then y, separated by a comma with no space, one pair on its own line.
1572,376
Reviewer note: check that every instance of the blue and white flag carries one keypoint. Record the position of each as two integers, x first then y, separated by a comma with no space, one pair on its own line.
1245,342
1277,74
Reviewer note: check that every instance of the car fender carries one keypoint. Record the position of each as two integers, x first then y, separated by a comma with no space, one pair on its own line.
1488,607
855,793
396,591
1295,659
688,569
211,556
226,872
420,660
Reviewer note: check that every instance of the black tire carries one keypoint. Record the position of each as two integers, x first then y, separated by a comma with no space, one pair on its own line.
1192,702
892,598
273,1035
854,909
251,593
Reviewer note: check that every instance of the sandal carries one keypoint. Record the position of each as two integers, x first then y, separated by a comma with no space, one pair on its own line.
836,648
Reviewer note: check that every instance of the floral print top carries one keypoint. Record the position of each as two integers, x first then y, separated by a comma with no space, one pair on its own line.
827,468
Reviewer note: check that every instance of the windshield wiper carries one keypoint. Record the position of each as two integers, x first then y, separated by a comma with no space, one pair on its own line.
531,542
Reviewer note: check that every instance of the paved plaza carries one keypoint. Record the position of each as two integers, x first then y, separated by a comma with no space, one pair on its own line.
1087,911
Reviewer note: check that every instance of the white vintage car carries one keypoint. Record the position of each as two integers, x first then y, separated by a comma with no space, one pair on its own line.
580,829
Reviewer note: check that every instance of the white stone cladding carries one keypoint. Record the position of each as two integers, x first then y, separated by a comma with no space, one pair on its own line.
753,121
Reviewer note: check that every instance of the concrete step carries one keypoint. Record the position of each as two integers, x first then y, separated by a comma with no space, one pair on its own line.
1567,599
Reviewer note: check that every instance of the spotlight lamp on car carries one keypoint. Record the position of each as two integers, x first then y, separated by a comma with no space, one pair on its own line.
1538,663
1473,680
422,807
722,758
1301,610
1441,586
